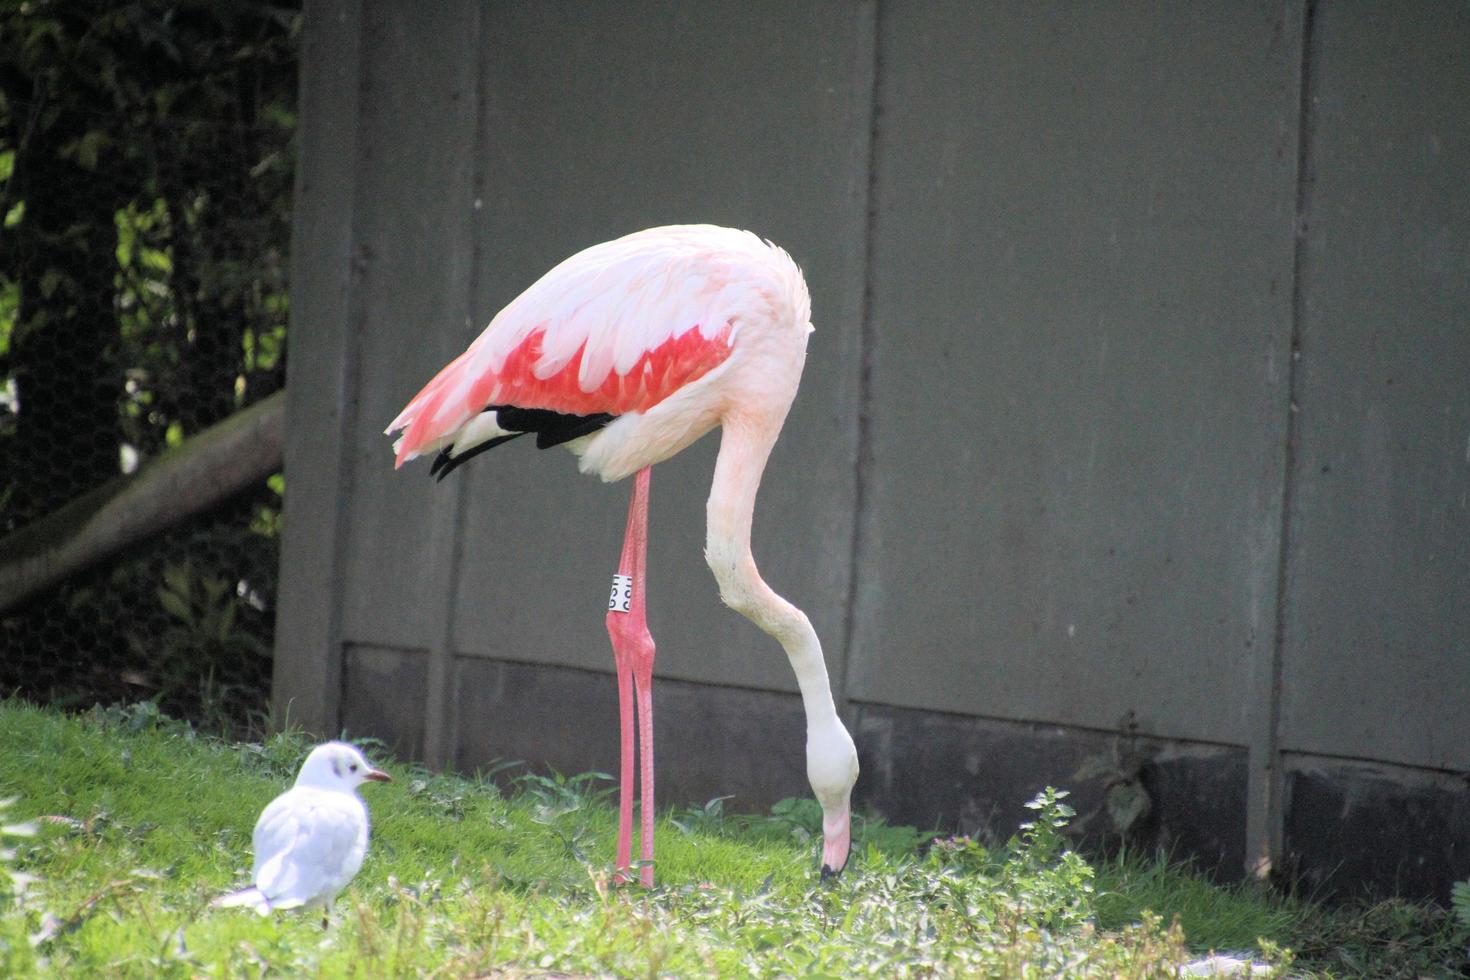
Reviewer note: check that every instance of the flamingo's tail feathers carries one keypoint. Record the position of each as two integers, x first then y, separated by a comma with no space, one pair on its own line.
434,416
251,898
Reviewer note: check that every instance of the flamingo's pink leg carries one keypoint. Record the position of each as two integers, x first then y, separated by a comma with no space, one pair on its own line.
633,650
625,795
643,679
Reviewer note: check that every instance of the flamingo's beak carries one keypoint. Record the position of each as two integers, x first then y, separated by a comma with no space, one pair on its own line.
377,776
836,843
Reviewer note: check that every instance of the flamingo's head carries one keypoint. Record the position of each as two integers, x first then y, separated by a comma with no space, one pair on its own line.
832,768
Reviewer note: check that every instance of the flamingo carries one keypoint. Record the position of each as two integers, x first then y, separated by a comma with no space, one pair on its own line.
626,353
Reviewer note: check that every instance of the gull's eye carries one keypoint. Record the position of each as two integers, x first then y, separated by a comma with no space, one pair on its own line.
353,767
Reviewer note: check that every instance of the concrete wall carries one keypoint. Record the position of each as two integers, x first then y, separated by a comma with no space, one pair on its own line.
1137,401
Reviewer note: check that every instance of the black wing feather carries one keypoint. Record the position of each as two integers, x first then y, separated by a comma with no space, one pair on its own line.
445,464
551,428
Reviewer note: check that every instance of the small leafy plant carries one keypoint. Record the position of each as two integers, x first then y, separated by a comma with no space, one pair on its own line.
1120,770
201,650
15,946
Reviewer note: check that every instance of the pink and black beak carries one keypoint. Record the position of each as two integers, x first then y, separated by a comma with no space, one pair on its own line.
377,776
836,844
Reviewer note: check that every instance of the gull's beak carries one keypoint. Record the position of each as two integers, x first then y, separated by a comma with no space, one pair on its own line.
377,776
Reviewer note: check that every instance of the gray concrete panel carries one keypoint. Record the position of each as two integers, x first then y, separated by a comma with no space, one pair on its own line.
1082,265
383,694
752,115
319,376
708,741
416,252
1377,644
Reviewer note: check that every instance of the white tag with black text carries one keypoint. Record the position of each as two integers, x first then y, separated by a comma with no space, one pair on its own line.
621,599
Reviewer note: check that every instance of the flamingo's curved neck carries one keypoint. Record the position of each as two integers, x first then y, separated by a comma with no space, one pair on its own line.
744,447
831,757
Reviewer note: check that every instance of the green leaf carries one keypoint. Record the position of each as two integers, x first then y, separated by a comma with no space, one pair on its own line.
86,149
1096,767
9,309
175,605
214,589
155,260
1460,899
51,281
1128,802
226,623
180,578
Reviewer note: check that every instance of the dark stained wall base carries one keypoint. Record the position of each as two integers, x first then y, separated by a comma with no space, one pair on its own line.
708,741
1351,829
974,775
1355,830
935,771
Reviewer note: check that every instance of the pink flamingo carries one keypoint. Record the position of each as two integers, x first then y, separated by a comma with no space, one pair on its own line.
626,353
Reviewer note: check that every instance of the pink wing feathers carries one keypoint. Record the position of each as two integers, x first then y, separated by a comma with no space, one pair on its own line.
616,328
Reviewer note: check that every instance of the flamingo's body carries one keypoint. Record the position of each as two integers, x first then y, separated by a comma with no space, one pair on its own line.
628,352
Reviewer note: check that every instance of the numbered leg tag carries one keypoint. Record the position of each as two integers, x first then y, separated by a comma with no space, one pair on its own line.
621,599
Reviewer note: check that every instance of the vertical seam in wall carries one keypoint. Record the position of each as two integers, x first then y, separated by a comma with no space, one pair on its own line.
446,723
1274,815
862,461
358,264
472,287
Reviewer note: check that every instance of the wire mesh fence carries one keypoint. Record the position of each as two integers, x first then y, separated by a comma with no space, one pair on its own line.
145,176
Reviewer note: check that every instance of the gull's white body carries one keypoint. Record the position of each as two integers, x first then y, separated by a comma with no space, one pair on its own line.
310,841
673,331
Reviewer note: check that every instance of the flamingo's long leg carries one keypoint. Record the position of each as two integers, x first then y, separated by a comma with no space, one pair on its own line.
625,794
643,678
627,627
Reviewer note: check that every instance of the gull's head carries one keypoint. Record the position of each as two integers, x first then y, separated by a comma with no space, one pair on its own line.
337,765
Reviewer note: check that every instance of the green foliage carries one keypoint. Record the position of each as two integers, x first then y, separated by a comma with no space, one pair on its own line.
1389,939
202,643
463,880
1460,902
1212,916
187,112
145,821
146,169
13,884
16,956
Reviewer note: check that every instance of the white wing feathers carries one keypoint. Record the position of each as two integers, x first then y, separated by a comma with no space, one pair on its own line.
309,844
619,299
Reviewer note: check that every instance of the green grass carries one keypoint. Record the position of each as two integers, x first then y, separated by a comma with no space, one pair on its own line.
462,880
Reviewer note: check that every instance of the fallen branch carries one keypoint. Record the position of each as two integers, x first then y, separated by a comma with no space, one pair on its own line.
193,476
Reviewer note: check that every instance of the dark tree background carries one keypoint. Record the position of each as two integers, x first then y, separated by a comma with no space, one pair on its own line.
145,178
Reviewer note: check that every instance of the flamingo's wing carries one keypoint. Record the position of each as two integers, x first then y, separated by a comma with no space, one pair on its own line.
616,328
